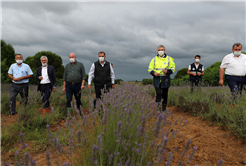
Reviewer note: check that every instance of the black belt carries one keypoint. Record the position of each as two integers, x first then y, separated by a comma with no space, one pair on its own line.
74,83
237,76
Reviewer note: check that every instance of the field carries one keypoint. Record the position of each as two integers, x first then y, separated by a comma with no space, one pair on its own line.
199,128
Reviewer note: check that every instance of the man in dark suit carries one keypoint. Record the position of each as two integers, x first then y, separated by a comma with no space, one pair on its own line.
47,82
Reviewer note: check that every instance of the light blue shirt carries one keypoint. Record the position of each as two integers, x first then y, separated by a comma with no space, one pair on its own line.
20,71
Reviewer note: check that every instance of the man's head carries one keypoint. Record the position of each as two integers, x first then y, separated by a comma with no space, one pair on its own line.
101,56
237,48
44,60
161,50
19,58
72,57
197,58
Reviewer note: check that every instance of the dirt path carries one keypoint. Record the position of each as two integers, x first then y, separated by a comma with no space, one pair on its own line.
213,142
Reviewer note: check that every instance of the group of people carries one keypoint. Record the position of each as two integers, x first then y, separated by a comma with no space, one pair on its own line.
73,80
160,67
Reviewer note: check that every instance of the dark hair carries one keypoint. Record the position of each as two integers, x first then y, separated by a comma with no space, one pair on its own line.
198,56
101,52
18,54
236,44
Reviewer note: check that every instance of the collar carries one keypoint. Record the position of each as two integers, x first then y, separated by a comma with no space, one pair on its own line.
20,65
102,63
164,56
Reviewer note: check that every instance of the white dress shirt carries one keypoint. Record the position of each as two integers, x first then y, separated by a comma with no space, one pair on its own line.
45,76
92,70
234,65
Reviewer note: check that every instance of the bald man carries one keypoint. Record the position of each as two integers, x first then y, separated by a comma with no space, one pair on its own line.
73,80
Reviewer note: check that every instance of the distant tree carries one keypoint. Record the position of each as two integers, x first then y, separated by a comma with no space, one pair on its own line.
53,59
147,81
211,75
180,73
7,58
118,81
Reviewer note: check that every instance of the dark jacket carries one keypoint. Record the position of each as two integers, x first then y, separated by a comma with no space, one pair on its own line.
196,70
51,74
102,74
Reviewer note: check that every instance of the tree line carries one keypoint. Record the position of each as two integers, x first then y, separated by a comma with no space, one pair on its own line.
8,57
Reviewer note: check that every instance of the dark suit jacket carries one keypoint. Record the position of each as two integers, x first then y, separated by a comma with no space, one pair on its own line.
51,74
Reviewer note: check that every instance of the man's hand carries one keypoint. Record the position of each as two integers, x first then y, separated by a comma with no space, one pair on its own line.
64,89
221,82
54,89
40,77
156,74
89,86
18,79
199,74
112,86
82,87
164,71
194,74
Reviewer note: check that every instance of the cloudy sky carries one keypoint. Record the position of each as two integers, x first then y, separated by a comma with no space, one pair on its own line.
129,32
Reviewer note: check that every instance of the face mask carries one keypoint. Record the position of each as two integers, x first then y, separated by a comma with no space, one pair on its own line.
236,53
19,61
44,64
197,60
101,59
72,60
161,53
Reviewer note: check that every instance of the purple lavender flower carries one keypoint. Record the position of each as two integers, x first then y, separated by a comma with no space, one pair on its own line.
94,154
181,121
149,164
128,161
110,158
192,153
180,163
26,158
5,164
186,147
79,137
220,162
48,158
185,123
18,158
22,140
48,130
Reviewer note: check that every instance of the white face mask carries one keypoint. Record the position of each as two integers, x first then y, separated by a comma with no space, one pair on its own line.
44,64
72,60
101,59
236,53
161,53
19,61
197,60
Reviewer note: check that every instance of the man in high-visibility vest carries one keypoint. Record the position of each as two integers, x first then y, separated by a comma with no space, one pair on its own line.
160,67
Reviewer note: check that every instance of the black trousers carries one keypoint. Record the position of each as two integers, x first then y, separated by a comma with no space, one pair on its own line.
98,90
16,89
161,93
45,90
196,83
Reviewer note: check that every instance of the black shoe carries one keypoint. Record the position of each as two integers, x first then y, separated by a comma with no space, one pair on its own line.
13,113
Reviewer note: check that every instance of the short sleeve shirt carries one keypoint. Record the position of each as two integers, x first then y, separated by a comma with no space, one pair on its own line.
20,71
233,65
189,67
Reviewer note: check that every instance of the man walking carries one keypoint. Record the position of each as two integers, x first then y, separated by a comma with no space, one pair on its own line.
103,74
47,82
233,65
160,67
20,73
196,71
74,80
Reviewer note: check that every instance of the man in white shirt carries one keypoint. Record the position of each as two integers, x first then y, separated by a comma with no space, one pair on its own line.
233,65
47,82
196,71
103,74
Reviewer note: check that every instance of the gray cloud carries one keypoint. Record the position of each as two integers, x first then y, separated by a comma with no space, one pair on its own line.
129,33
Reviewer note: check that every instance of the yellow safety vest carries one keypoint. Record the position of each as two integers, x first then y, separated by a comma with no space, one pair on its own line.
158,64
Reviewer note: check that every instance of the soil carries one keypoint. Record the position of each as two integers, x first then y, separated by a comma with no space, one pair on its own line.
213,143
